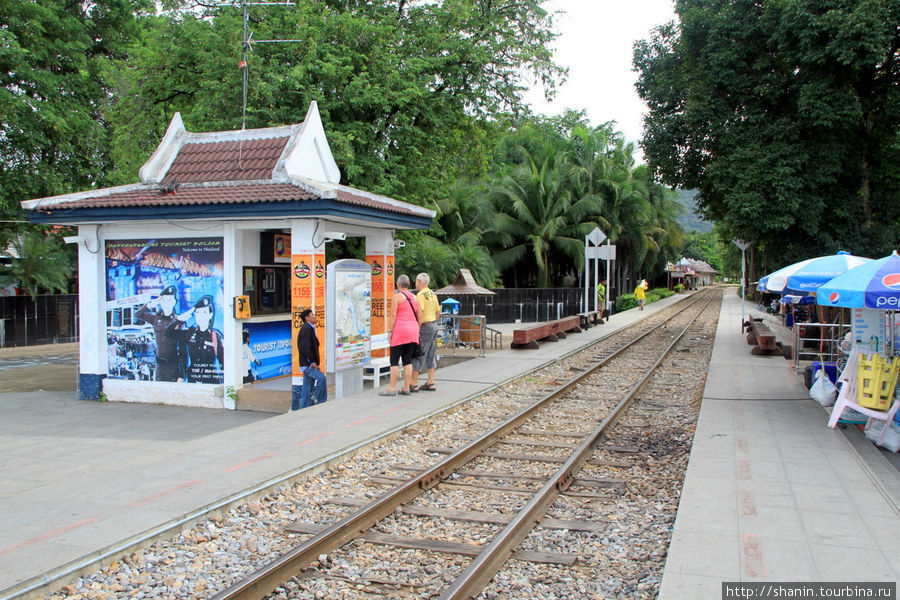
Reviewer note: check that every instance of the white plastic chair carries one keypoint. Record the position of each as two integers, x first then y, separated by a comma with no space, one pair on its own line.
847,399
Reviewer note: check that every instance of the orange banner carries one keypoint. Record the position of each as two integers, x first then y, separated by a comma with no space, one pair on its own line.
301,299
378,263
319,303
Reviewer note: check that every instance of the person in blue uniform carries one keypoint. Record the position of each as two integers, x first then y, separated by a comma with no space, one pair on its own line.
203,343
159,312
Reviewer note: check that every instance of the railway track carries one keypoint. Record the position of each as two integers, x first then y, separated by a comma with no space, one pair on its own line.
530,458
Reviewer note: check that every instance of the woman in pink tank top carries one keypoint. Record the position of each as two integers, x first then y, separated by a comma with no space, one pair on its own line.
403,328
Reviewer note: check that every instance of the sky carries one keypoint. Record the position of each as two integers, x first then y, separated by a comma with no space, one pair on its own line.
595,44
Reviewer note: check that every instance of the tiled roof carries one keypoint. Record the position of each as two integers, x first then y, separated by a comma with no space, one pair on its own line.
237,193
695,265
464,285
226,161
234,174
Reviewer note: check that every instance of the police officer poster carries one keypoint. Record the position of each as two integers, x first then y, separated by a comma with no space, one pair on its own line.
164,303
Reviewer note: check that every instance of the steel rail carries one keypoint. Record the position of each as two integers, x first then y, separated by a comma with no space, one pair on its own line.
483,567
261,582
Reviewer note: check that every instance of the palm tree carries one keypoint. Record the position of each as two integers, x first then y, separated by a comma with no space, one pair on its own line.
465,220
539,221
38,262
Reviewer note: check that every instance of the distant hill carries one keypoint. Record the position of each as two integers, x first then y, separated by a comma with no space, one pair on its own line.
691,221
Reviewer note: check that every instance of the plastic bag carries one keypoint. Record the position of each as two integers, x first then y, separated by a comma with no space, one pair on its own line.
891,439
822,390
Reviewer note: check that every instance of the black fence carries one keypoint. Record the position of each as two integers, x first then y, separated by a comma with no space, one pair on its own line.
54,319
529,305
44,320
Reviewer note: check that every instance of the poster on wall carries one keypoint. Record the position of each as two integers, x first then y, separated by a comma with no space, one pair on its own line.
281,250
164,309
267,350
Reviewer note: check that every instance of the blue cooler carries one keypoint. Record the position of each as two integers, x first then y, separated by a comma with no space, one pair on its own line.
830,370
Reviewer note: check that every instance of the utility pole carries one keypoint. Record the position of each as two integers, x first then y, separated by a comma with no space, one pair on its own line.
247,45
743,246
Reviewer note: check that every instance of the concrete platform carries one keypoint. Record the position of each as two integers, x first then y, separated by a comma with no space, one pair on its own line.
82,480
772,494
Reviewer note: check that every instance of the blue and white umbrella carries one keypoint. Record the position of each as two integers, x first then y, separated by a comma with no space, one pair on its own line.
808,275
875,284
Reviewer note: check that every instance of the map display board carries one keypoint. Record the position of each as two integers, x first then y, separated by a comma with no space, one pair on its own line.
349,314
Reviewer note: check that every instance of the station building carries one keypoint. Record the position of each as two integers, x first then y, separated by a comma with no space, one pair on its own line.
220,243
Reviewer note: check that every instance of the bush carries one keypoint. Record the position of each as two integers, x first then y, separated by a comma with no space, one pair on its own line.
627,301
679,287
658,294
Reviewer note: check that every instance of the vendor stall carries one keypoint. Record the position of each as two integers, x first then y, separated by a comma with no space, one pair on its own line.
868,382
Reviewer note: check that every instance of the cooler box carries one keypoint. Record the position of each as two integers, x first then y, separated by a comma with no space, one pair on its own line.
470,330
830,371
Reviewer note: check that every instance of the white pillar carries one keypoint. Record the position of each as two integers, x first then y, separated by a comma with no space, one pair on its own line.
92,318
232,251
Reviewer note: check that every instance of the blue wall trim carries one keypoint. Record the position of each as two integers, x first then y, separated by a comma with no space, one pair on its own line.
90,386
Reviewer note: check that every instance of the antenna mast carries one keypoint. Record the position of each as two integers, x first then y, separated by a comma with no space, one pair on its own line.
247,46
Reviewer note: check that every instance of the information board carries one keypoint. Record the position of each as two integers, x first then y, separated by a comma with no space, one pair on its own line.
349,310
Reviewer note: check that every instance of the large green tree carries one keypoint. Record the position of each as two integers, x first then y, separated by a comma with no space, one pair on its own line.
403,87
52,55
785,116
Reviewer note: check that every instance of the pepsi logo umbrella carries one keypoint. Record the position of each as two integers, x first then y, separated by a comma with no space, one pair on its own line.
808,275
873,285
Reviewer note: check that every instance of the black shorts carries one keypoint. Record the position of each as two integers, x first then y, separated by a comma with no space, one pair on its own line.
404,351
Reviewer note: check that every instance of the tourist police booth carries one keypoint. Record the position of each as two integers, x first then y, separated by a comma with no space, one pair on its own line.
191,280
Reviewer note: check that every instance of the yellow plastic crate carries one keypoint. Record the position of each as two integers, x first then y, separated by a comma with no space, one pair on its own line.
876,380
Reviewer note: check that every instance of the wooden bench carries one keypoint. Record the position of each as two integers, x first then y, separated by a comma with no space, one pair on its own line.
762,337
528,336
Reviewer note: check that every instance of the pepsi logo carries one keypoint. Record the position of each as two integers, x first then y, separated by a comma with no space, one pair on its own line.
891,280
834,297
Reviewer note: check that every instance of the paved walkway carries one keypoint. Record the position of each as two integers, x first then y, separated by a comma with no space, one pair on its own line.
83,479
772,494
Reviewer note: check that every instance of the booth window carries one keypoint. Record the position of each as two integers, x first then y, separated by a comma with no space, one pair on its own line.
268,288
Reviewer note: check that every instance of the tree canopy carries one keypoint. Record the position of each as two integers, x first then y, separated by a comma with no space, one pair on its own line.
403,87
550,182
422,101
785,117
52,57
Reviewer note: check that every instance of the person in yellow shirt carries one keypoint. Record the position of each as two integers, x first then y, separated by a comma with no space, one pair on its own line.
640,295
601,299
429,311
